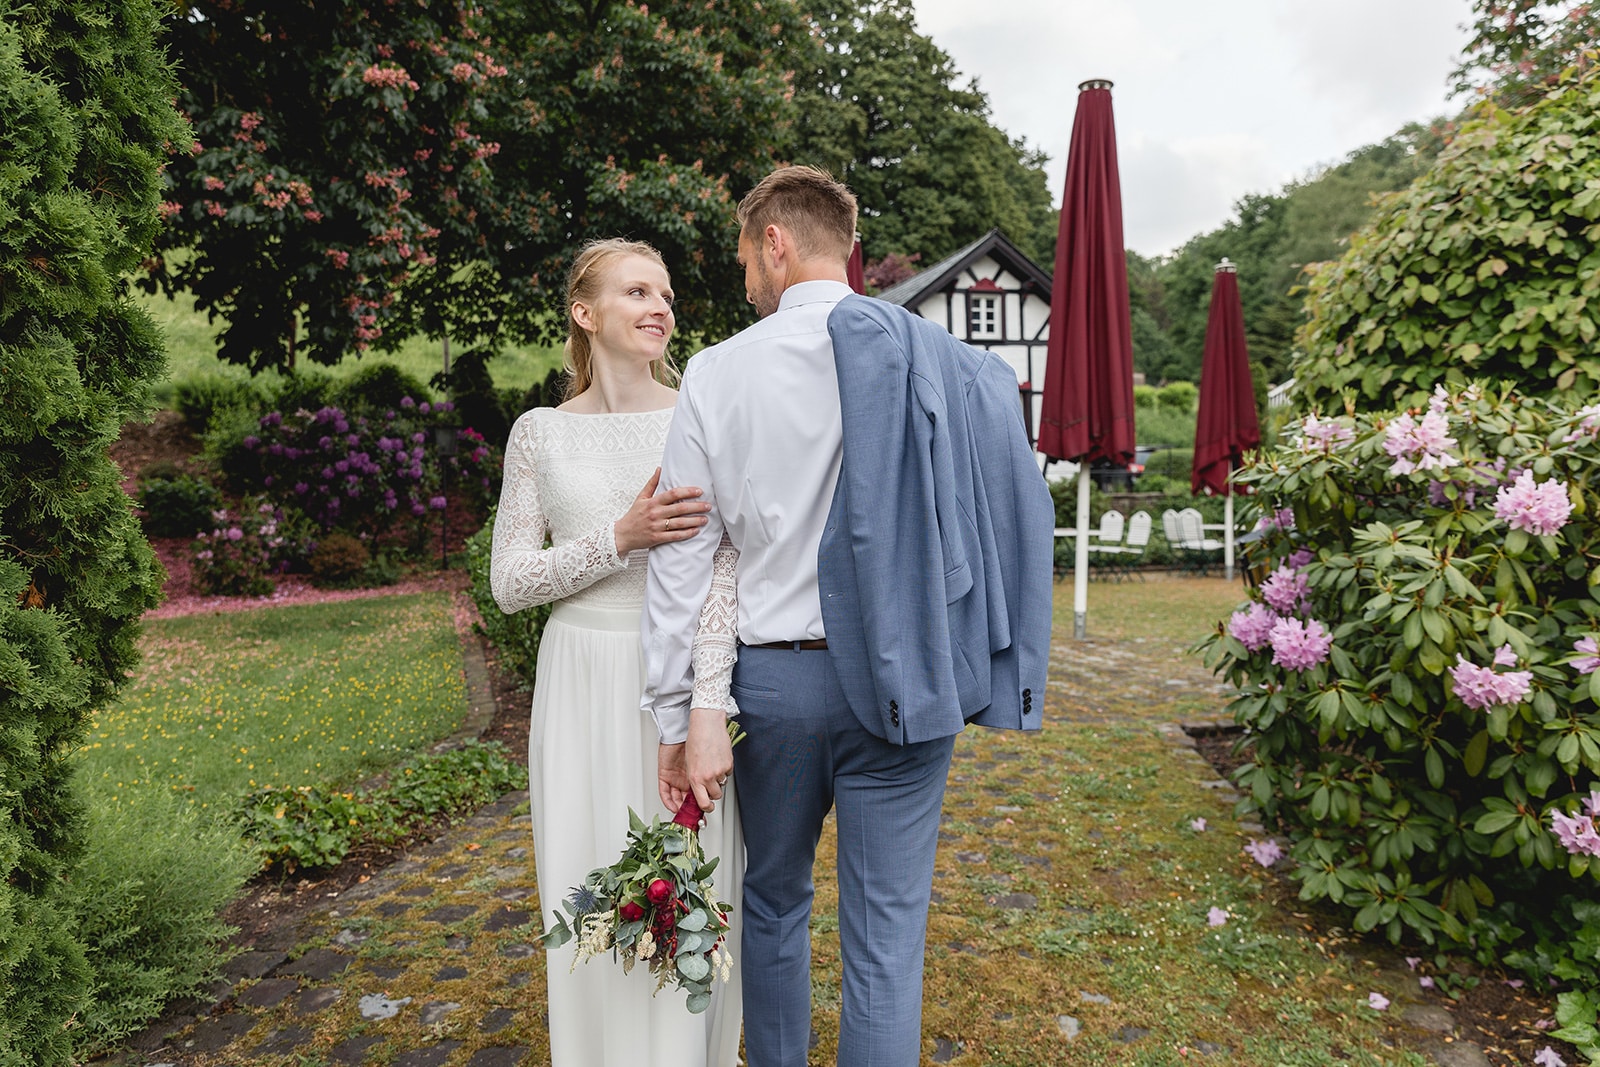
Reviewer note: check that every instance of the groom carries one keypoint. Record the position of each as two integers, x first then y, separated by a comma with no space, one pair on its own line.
894,583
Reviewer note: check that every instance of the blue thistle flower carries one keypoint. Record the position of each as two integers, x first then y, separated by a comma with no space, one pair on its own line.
584,901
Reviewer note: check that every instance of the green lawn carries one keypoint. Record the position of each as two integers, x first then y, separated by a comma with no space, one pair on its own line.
320,694
1073,890
1073,885
192,351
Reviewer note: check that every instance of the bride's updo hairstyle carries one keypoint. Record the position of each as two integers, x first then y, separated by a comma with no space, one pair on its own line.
594,264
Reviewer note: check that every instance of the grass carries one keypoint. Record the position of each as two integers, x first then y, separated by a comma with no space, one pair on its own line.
1090,823
1072,886
192,351
319,694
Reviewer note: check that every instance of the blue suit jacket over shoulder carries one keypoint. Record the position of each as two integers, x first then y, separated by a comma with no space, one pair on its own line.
935,563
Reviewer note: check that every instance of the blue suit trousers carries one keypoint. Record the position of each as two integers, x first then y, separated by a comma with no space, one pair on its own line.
807,753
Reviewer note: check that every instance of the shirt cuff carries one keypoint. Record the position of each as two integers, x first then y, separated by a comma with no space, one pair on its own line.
672,724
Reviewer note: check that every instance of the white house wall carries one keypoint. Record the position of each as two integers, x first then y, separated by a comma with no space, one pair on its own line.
1025,318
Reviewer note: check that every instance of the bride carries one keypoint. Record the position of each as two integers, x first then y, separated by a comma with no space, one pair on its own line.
572,475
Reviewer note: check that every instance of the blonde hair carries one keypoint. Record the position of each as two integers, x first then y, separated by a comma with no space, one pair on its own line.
593,265
818,211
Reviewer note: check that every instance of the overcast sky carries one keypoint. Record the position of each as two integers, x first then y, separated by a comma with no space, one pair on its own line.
1213,99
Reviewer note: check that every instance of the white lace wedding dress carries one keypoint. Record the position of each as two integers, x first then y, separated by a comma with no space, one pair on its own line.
591,750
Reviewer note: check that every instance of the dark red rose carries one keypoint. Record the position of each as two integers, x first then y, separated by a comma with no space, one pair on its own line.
660,891
631,912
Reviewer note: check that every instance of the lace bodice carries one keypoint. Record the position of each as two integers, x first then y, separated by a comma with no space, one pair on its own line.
568,478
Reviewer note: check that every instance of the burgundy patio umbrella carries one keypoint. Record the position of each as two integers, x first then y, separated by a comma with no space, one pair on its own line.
855,270
1087,411
1227,426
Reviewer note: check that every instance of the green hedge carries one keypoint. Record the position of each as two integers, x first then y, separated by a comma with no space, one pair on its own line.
86,124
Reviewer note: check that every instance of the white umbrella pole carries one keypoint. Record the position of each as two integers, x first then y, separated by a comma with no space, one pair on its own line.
1227,535
1080,569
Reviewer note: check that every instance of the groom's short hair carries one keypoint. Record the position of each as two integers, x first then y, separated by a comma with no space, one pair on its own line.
818,211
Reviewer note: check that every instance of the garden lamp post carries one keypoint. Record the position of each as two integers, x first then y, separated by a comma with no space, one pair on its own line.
444,444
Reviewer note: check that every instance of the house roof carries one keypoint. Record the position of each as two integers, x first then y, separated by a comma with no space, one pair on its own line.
938,276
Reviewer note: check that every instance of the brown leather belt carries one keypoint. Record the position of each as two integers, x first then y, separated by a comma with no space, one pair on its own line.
794,646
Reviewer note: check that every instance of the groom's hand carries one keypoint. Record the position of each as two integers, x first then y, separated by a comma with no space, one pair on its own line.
708,755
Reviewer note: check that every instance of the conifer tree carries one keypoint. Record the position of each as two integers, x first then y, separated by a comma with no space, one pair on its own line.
86,121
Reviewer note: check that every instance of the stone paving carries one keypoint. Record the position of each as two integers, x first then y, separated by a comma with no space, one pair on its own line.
386,968
382,974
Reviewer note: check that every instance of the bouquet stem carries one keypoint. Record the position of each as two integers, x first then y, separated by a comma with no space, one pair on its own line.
689,814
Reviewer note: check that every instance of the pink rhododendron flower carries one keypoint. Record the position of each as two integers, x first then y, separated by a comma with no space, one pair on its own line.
1252,626
1282,519
1299,646
1539,508
1265,852
1481,687
1298,558
1588,425
1198,825
1504,657
1425,982
1412,961
1547,1057
1420,445
1326,434
1591,803
1576,833
1286,590
1216,917
1377,1002
1586,663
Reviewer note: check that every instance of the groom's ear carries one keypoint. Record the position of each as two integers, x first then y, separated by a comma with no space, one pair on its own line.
776,244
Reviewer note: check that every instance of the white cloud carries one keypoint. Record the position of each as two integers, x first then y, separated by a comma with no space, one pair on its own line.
1167,185
1212,101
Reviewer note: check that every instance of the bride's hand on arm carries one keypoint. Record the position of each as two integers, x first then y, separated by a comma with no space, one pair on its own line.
656,518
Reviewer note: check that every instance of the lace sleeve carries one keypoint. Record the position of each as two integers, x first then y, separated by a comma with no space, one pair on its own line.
522,571
716,640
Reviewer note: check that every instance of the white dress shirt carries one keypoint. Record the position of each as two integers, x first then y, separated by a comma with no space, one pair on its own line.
757,428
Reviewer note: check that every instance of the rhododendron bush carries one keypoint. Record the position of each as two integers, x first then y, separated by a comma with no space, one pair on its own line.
1416,670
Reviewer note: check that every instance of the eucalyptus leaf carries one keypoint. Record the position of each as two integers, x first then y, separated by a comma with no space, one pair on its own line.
693,967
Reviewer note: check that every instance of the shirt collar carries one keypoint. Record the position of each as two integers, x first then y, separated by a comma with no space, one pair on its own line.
816,292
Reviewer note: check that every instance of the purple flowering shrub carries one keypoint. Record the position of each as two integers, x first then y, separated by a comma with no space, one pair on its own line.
244,548
366,473
1417,673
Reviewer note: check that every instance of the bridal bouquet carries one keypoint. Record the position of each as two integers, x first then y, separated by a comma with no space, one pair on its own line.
655,905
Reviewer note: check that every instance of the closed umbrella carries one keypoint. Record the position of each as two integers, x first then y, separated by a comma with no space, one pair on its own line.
855,270
1226,427
1087,410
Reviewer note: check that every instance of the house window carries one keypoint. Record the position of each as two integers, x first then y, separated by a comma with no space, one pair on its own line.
983,316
